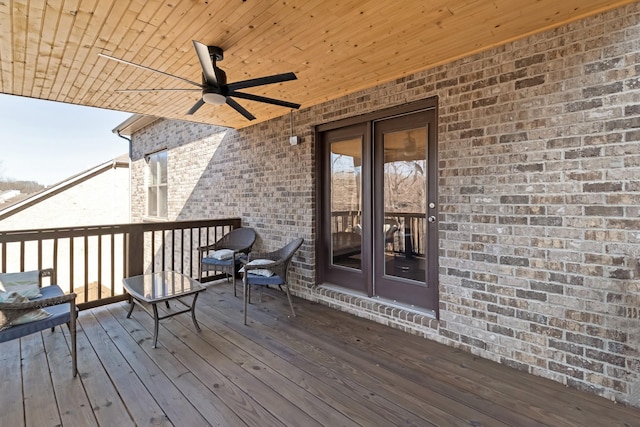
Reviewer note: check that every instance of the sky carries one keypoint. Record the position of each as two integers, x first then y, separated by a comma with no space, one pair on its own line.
47,141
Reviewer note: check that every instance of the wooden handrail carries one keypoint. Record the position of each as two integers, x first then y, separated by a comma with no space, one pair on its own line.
101,256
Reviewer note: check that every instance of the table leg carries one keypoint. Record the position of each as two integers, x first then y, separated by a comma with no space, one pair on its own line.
193,312
156,322
131,303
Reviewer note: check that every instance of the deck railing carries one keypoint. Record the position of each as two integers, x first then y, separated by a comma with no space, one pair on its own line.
93,260
408,240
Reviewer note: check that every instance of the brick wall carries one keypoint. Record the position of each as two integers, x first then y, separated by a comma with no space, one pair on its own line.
539,199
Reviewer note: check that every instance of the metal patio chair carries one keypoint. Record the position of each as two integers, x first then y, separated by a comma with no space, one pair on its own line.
271,270
233,247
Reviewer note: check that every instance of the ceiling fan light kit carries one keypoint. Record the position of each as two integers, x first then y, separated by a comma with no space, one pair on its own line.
214,98
215,90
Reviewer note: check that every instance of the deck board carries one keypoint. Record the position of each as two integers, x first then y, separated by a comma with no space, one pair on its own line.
40,406
322,367
346,373
72,400
11,401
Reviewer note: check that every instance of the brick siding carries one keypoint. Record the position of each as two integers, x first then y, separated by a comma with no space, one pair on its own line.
539,195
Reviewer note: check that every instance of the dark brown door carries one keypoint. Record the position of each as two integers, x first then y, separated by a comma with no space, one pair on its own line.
378,213
404,209
346,176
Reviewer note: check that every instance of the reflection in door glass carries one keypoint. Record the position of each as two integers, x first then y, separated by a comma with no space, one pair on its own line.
405,184
346,203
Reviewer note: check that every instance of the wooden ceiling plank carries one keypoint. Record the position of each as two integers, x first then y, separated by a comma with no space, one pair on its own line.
41,40
81,37
283,22
19,30
35,71
116,26
66,23
189,53
206,29
91,44
91,15
142,50
315,40
6,48
174,60
51,17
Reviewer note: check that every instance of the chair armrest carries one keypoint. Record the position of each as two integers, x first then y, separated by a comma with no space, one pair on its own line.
263,255
47,272
13,310
38,303
269,266
212,246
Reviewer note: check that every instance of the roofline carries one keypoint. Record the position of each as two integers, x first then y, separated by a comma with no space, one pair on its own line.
133,124
62,186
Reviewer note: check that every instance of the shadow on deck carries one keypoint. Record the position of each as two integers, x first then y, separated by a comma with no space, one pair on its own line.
322,368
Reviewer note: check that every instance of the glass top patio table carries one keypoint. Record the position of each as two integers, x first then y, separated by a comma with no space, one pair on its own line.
150,289
161,286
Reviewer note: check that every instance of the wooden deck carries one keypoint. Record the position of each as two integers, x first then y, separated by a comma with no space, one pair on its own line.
322,368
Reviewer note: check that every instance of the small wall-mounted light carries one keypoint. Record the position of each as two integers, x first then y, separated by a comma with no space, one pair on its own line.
293,139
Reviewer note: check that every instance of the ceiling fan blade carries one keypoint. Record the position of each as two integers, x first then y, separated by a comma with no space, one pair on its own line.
260,81
149,69
240,109
208,70
259,98
158,90
195,107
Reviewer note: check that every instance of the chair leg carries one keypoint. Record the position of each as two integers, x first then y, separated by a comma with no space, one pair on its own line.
286,286
72,332
245,295
234,281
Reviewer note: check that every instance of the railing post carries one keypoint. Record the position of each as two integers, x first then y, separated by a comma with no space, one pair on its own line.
135,251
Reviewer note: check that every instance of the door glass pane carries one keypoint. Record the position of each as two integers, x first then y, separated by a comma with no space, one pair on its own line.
346,203
403,228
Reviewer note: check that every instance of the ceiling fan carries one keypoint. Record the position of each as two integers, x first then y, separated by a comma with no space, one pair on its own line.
214,86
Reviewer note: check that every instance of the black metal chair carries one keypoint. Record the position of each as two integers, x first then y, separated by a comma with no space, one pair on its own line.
271,270
232,247
60,307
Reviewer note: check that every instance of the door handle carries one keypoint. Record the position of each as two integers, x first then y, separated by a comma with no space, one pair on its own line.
432,218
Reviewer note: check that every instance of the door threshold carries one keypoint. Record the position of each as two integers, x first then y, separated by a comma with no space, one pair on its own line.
384,301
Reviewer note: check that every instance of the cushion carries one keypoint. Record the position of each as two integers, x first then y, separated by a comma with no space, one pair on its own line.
222,254
26,283
30,316
259,271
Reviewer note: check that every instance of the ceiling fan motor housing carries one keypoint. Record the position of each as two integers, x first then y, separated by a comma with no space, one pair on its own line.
216,53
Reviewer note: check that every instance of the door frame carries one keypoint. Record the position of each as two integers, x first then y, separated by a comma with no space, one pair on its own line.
368,119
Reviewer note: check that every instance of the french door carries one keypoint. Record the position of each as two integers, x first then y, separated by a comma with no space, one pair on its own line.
378,213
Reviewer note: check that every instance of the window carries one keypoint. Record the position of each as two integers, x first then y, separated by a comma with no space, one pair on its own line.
157,184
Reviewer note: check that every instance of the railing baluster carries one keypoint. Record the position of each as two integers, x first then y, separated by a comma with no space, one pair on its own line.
86,268
39,254
112,258
21,256
55,254
71,270
99,284
182,251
